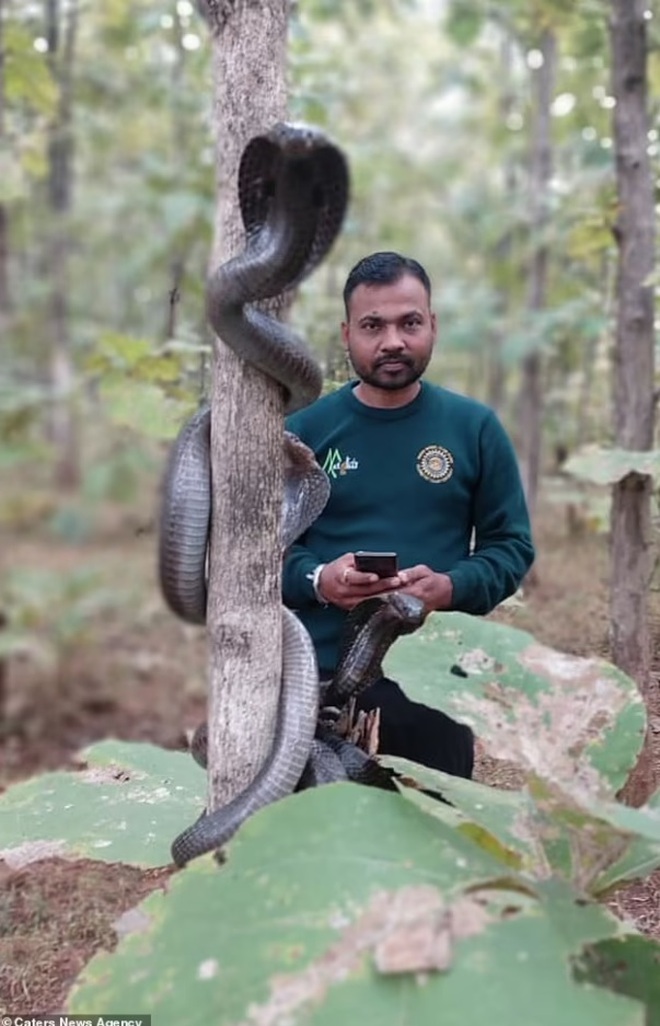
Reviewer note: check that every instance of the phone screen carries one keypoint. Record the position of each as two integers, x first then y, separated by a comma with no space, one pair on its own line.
385,564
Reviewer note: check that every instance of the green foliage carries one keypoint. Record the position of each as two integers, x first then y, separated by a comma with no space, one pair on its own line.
141,797
609,466
145,389
525,696
118,357
27,78
48,611
465,21
312,921
144,408
347,900
435,123
545,330
116,477
628,965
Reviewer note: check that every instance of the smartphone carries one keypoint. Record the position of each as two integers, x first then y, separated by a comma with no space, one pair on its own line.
385,564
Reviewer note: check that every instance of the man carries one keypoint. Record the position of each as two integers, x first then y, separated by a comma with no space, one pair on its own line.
414,469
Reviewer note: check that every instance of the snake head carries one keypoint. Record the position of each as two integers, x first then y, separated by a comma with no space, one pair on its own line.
407,609
306,489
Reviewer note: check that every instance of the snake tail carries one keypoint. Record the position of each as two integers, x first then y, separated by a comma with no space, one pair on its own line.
278,777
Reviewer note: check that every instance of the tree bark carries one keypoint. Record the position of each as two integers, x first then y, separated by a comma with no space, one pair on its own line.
179,155
503,251
4,215
63,426
634,408
244,614
541,171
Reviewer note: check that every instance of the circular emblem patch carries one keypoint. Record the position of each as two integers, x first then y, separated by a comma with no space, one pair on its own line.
435,463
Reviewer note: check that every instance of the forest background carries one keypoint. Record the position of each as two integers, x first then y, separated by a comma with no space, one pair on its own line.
480,139
108,192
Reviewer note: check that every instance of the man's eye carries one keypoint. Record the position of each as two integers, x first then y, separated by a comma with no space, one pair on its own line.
372,326
412,322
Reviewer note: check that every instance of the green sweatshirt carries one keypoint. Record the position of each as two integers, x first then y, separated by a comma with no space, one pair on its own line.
415,480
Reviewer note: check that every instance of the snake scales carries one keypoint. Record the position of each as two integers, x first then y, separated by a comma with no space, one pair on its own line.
293,189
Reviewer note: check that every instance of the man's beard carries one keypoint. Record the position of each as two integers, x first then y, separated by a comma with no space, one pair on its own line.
379,376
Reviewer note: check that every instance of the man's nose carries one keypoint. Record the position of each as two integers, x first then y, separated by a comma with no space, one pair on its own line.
391,340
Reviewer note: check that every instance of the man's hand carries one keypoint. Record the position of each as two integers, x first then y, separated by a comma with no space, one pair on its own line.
435,590
342,585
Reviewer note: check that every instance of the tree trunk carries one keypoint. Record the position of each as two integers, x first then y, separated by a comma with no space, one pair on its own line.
504,248
179,155
4,216
589,426
244,609
63,426
5,303
634,370
541,170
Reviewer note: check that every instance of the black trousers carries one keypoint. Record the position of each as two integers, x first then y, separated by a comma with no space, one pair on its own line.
415,731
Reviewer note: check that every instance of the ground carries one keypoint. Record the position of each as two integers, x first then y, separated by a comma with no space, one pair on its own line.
139,674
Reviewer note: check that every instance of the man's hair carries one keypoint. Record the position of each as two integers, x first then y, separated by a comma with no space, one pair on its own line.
383,269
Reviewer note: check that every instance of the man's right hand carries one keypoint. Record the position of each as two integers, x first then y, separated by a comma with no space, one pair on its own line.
340,584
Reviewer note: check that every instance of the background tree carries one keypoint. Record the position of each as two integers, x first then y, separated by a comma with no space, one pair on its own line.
4,215
634,394
540,173
61,32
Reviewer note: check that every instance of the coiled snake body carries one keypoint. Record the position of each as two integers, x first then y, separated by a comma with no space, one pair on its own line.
293,189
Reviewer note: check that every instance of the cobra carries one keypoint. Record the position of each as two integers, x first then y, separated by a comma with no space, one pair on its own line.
293,190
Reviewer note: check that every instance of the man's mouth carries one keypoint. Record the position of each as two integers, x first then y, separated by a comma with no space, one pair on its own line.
393,364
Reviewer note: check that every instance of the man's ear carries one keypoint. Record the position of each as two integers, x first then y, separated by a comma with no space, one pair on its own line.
434,326
344,334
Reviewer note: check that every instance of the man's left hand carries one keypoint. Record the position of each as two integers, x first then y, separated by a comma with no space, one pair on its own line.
435,590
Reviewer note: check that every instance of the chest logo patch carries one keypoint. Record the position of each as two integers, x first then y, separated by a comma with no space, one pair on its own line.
435,463
335,464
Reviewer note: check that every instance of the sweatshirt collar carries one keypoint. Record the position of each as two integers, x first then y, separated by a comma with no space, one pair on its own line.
387,412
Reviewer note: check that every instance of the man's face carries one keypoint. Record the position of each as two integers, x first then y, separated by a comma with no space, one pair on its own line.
390,333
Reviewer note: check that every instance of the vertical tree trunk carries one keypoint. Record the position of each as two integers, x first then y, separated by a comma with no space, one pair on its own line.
503,249
634,368
531,394
63,427
5,302
244,609
4,216
589,426
179,155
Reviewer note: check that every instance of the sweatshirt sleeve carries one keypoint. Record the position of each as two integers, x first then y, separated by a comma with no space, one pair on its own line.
297,589
503,549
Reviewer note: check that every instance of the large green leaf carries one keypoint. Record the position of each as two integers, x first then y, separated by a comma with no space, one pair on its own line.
609,466
505,815
627,965
642,853
348,904
126,806
579,721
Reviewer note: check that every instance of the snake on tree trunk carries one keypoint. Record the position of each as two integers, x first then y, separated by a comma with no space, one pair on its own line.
293,190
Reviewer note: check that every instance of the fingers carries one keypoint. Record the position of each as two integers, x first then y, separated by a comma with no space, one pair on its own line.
434,589
415,573
342,585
